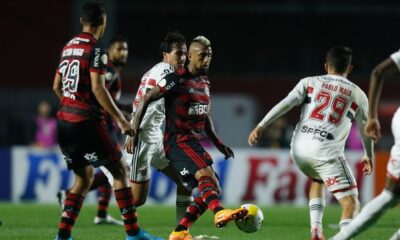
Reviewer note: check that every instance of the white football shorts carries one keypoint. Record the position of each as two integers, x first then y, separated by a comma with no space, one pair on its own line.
335,173
393,165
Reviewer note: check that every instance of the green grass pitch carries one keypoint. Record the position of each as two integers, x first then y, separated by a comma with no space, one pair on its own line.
34,221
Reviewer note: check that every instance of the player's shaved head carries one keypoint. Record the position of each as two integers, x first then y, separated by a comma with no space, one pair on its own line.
339,58
200,54
198,43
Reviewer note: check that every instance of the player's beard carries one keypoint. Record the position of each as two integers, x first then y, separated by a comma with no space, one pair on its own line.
203,71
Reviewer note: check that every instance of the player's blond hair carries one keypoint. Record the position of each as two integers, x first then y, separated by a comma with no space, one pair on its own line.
203,40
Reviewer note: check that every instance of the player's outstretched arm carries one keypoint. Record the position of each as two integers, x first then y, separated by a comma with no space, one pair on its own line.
104,98
210,131
294,98
57,85
381,71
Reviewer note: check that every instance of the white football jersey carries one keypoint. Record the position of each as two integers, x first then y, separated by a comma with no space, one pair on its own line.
150,128
329,104
396,58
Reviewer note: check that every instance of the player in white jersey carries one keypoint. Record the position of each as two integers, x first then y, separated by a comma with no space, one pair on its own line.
150,150
389,197
329,104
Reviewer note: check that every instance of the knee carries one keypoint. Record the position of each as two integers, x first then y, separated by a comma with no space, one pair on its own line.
119,172
350,203
84,183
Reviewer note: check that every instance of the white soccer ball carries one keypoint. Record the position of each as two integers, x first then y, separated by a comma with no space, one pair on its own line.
253,221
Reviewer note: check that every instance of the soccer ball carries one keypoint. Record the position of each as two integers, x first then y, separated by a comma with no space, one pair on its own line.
253,221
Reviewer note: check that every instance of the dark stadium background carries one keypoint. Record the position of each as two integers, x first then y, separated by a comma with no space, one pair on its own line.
261,48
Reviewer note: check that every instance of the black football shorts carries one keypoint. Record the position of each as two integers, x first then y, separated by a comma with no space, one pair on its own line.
87,142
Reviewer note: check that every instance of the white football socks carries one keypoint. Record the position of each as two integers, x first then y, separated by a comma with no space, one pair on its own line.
317,206
368,215
396,235
344,222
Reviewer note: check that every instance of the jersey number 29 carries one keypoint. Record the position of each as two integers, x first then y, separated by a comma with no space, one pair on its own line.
70,75
337,106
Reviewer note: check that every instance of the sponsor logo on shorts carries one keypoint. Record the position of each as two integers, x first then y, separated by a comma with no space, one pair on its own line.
91,157
184,172
317,133
332,181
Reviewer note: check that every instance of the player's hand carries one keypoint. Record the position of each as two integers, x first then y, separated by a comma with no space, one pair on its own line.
255,135
129,145
372,129
125,127
368,165
227,151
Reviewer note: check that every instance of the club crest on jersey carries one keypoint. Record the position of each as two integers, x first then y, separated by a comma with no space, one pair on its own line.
162,82
104,59
198,109
109,76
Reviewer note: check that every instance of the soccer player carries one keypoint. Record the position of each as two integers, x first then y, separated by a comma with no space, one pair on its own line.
389,197
150,150
187,107
84,138
329,104
117,56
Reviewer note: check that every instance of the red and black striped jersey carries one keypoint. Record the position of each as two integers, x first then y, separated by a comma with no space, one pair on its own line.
113,81
79,57
187,99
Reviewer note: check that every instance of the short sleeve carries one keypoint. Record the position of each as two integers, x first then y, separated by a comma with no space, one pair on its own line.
98,60
169,82
396,58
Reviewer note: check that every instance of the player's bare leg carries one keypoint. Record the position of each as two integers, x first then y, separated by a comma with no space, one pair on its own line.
371,212
317,205
350,208
140,191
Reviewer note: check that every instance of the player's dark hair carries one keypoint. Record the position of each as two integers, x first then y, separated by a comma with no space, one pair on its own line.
116,39
170,40
92,13
339,57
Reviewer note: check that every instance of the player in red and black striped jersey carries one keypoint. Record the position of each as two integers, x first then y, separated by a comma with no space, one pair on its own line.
187,107
84,138
117,58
